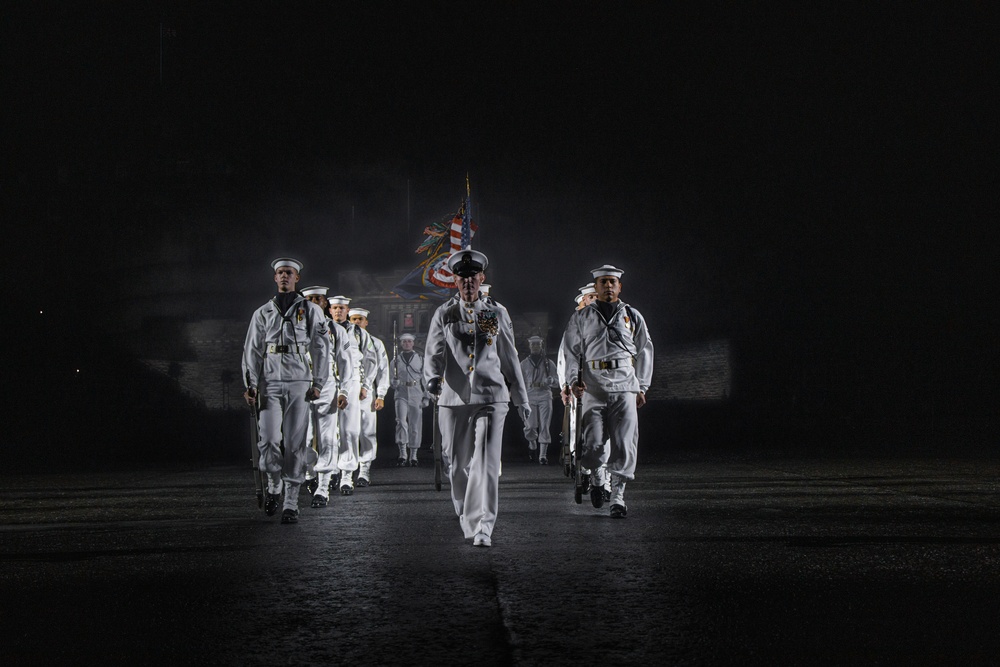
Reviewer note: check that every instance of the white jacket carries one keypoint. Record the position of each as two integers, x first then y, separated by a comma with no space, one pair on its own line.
287,347
471,346
617,352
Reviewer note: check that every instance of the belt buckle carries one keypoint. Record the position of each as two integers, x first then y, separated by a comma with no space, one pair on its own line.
605,365
282,349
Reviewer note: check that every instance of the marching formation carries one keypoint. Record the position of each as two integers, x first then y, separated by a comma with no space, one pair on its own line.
316,381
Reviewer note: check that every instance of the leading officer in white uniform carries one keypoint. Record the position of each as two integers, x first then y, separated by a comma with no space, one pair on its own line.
611,340
469,360
286,356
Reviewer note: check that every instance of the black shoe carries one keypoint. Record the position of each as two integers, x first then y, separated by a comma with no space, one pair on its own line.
543,461
618,512
290,516
334,482
271,503
586,483
362,482
346,490
597,497
312,485
401,462
606,495
320,501
413,463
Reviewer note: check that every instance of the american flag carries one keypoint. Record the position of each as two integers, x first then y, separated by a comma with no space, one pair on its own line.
463,228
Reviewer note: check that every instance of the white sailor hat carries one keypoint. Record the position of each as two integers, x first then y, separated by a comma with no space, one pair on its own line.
287,261
536,339
467,262
358,311
315,289
485,288
339,300
407,337
607,270
578,298
589,288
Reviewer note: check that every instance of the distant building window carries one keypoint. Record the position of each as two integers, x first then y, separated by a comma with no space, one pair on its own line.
407,320
423,317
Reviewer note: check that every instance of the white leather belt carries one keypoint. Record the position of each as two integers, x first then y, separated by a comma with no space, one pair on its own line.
608,364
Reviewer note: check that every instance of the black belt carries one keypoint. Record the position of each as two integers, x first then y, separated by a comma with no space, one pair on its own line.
608,364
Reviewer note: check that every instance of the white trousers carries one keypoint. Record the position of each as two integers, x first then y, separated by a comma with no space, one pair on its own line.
367,441
610,421
327,445
539,424
409,423
471,439
349,422
284,418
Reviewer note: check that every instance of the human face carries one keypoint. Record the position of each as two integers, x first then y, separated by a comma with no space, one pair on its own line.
338,311
535,348
319,300
468,286
360,320
608,288
588,299
406,344
286,278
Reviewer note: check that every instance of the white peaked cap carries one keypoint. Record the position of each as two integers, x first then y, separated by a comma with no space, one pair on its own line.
315,289
578,298
358,311
607,270
467,262
339,300
287,261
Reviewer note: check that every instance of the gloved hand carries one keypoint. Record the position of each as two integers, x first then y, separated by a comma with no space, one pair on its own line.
434,387
525,412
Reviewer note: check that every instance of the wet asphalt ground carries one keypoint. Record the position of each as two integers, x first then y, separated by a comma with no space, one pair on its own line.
780,562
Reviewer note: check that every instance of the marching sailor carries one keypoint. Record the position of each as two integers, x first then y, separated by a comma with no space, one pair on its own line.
469,361
610,340
332,400
541,376
410,399
286,357
377,368
357,391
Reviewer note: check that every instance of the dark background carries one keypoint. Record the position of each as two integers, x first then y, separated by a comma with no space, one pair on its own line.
814,183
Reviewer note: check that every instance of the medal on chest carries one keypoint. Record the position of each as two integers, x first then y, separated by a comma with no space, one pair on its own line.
301,312
488,324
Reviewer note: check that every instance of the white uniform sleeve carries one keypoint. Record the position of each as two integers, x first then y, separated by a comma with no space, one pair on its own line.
382,371
574,346
434,353
319,345
509,364
342,355
253,349
644,353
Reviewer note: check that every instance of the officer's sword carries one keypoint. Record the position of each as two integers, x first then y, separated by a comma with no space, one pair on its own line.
437,447
258,480
578,439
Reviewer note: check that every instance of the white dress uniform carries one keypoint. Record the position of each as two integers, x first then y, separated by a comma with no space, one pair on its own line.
350,419
407,371
377,365
617,356
328,442
284,353
470,346
541,377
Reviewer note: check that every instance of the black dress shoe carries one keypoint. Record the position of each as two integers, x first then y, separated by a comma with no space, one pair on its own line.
401,462
618,512
413,463
543,461
320,501
346,490
606,495
362,482
271,503
290,516
313,485
597,497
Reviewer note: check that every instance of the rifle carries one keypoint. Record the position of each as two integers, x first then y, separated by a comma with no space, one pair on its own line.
258,476
438,466
395,356
578,439
566,435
